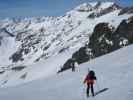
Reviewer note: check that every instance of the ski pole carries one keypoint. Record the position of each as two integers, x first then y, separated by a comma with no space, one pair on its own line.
83,96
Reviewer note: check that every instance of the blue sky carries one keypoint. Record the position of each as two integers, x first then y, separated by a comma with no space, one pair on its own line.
29,8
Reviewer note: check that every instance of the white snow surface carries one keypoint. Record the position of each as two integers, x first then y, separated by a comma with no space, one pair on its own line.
8,47
113,71
34,71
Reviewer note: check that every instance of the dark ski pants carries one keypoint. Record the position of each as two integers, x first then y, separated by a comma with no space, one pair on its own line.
88,88
73,69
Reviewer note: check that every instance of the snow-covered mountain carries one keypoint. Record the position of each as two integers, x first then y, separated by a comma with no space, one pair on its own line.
28,45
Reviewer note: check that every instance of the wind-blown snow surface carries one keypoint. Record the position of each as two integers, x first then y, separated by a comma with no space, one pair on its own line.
113,71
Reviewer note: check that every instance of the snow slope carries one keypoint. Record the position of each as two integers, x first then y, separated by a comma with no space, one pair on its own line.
34,71
114,71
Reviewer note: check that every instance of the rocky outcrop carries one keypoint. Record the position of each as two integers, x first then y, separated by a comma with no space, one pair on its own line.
125,30
105,39
126,10
104,11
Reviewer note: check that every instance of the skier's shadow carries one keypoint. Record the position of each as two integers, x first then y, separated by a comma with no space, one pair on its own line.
100,91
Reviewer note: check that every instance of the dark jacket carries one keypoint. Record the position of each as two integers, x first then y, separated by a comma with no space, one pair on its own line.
89,79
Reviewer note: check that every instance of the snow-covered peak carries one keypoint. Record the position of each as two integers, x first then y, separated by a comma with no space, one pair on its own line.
104,5
84,7
95,5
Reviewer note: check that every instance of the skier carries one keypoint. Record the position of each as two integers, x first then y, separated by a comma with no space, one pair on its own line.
89,80
73,64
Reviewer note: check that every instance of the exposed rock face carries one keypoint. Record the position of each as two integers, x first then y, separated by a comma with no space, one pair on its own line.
104,39
126,10
101,39
125,30
102,12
